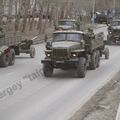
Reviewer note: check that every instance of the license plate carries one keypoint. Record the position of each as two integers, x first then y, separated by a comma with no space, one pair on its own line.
59,61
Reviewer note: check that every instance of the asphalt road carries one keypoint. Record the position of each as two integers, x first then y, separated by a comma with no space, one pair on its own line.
25,94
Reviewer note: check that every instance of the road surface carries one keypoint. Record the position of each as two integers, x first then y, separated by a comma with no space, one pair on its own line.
25,94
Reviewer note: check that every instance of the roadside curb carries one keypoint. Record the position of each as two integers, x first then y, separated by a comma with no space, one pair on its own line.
72,114
118,114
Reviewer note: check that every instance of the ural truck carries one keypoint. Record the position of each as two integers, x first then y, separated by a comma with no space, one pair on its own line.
11,44
74,50
67,24
113,36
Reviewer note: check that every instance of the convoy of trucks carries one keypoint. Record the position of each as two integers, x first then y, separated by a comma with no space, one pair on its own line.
70,47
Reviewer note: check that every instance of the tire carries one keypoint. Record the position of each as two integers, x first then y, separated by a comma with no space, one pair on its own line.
81,67
109,40
32,52
93,61
4,60
98,59
12,57
106,52
47,70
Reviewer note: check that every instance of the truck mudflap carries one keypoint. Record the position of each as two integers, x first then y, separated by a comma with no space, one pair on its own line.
76,60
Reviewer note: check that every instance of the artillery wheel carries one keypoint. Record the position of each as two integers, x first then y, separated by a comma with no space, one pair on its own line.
32,52
4,59
12,57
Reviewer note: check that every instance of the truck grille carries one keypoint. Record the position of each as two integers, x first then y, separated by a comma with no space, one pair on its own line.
59,54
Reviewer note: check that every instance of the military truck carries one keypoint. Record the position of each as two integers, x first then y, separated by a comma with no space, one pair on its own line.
74,49
11,44
102,18
67,24
113,36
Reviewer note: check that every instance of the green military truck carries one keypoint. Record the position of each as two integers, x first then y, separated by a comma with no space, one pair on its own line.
11,44
113,36
67,24
74,49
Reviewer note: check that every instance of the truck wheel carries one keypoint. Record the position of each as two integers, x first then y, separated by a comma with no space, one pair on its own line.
106,52
47,70
12,57
4,60
93,61
98,59
81,67
109,40
32,52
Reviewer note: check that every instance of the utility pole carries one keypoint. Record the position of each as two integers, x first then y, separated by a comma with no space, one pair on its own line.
114,4
93,12
114,7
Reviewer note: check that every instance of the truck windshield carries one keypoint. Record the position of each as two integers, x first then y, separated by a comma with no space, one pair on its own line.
75,37
115,23
69,23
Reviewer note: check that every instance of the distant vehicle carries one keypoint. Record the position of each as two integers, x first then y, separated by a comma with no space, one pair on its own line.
67,24
74,49
102,18
113,36
11,44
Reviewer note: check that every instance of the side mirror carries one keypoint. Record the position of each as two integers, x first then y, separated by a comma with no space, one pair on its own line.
48,46
55,25
46,38
109,27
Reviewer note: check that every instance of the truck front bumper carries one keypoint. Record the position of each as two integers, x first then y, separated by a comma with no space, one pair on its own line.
70,61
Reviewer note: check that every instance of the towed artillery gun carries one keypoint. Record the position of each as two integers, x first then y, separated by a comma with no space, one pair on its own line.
74,49
113,36
11,44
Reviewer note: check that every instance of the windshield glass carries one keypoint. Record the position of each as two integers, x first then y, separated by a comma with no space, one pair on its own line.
76,37
115,23
69,23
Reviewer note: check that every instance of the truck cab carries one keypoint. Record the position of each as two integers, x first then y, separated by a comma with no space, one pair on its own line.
113,36
67,24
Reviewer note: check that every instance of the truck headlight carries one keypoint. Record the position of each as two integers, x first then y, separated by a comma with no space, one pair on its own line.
74,55
110,32
48,54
